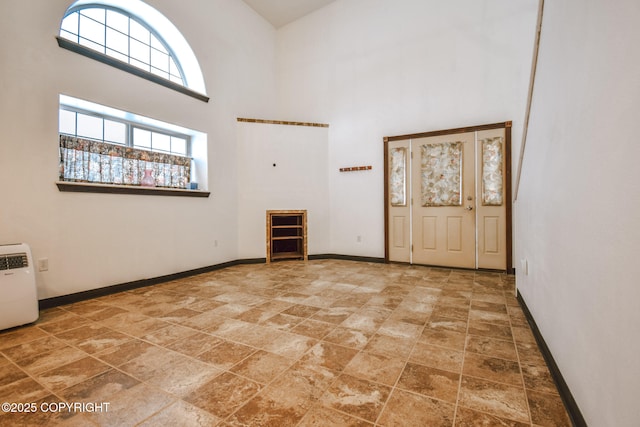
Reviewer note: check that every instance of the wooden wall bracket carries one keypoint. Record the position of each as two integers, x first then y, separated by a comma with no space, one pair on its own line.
356,168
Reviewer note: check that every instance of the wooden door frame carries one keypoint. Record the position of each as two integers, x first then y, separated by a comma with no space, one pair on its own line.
508,185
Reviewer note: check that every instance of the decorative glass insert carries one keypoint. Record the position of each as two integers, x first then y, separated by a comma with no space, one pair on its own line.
492,180
441,174
398,176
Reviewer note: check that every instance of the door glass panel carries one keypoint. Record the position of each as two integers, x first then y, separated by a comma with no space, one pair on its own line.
398,177
441,174
492,180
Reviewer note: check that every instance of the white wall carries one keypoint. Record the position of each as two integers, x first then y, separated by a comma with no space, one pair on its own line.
95,240
578,206
297,181
375,68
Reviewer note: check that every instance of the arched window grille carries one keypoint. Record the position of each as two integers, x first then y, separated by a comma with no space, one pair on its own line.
134,37
123,37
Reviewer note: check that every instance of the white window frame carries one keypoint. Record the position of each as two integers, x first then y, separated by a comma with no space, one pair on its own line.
196,140
129,140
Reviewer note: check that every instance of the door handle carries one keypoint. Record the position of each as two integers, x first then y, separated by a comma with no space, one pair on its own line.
469,208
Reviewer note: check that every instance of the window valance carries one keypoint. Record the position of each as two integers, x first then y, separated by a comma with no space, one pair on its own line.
84,160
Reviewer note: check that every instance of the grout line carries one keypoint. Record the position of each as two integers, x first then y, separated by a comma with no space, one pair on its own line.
524,384
404,366
57,394
464,352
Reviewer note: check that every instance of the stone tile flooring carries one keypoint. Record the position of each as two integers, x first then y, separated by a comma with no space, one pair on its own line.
318,343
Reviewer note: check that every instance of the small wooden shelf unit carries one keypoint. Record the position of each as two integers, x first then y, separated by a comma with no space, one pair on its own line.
286,235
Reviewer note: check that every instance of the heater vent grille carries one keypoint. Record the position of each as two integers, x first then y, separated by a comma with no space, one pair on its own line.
13,261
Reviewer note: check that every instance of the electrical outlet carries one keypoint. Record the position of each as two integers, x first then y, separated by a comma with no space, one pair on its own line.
43,264
524,266
359,239
215,243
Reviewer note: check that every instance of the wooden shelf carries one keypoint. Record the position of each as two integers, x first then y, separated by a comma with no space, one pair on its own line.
286,235
286,255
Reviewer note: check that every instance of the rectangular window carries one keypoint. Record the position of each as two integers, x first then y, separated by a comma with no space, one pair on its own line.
92,126
98,147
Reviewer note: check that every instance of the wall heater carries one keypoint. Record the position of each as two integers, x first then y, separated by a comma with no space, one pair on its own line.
18,295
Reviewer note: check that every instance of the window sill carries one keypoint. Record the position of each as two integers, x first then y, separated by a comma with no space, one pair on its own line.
84,187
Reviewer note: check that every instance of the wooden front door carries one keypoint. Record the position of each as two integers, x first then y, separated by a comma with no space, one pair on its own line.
447,198
443,188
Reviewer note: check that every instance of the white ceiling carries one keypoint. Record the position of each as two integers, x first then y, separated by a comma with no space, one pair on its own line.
282,12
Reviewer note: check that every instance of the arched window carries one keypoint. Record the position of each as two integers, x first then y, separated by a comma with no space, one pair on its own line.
122,37
134,37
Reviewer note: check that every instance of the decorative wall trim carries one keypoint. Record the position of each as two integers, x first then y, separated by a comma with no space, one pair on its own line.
356,168
113,289
84,187
282,122
569,402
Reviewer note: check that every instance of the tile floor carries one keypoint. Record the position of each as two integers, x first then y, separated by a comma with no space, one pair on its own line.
321,343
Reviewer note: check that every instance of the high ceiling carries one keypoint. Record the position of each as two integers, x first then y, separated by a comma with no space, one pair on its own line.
282,12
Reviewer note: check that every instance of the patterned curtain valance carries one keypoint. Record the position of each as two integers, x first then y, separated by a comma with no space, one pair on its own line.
84,160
